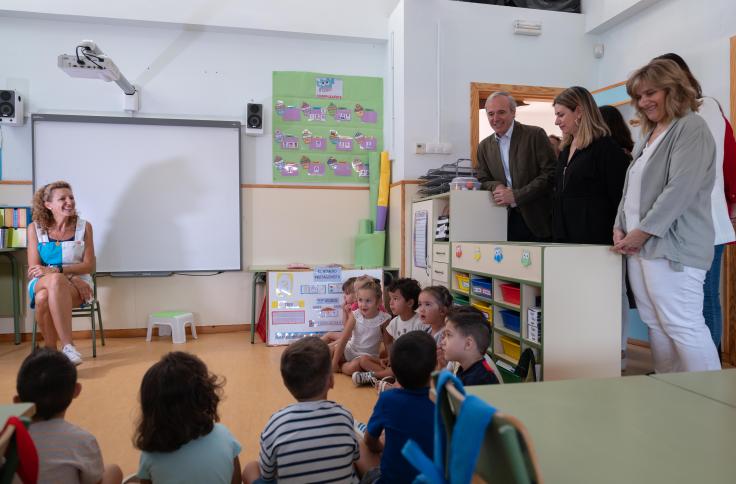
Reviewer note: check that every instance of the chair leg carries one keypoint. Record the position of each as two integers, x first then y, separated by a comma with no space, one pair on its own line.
33,337
99,321
94,334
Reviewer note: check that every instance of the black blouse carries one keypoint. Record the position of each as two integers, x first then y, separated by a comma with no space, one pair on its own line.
588,190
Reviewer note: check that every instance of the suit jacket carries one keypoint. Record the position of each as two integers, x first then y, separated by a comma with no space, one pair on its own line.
532,165
588,191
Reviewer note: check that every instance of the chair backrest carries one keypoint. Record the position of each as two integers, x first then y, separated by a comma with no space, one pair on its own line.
507,455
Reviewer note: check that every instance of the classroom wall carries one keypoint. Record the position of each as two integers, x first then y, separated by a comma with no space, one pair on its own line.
346,18
698,31
182,73
320,231
477,44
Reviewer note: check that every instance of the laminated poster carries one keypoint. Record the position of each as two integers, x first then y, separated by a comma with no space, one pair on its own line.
324,127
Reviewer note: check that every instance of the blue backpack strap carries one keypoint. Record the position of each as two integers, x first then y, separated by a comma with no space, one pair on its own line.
473,419
428,473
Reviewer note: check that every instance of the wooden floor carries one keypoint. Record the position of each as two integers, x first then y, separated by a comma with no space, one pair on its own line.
107,406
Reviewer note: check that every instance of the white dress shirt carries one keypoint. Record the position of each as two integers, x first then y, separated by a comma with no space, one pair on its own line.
504,143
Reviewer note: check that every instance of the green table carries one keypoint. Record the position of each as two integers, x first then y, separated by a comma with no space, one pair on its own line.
716,385
260,277
16,410
631,429
8,254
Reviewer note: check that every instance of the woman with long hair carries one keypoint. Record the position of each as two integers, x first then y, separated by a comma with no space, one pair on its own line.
61,257
590,171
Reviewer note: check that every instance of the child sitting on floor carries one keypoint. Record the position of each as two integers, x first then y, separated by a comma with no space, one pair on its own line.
312,440
403,301
467,336
401,414
362,333
434,304
178,432
66,453
348,291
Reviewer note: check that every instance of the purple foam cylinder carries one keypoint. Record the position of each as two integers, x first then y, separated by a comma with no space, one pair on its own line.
381,213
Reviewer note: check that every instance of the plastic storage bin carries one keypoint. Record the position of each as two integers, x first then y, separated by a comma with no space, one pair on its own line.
511,320
484,308
482,287
511,293
511,348
460,300
464,183
463,282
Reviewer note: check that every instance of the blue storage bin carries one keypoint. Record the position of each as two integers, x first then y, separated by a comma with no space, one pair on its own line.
511,320
481,287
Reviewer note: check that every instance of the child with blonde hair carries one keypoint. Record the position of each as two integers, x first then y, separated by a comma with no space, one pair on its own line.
362,333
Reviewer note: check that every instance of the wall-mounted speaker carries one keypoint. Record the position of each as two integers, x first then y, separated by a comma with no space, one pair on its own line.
11,108
254,119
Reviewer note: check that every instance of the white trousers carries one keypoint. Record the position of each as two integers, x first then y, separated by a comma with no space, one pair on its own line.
671,304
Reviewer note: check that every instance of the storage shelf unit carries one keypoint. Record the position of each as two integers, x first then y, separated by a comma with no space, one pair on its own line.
464,208
576,287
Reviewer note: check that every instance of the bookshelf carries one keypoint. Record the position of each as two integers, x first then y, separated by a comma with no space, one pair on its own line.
574,292
14,222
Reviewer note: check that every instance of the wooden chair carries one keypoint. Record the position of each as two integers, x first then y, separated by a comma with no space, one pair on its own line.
86,310
507,455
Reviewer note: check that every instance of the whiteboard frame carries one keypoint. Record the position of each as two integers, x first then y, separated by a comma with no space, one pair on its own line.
71,118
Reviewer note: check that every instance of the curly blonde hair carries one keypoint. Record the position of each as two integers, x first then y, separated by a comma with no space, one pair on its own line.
42,215
680,96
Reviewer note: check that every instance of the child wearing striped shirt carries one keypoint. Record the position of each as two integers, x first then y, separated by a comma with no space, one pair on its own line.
313,439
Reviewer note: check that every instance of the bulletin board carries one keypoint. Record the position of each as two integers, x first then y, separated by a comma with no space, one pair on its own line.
307,303
324,127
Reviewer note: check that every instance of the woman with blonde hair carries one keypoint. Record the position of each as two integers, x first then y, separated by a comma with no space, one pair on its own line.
664,223
590,171
61,257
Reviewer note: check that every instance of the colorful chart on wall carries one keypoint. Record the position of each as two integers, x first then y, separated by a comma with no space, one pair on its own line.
324,127
307,303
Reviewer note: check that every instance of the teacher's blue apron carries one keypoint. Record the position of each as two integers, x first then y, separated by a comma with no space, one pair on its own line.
60,253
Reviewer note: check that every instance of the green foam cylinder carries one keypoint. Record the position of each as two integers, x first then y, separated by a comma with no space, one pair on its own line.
365,226
370,250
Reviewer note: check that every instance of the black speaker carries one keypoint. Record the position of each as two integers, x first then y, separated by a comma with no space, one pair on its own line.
11,108
254,118
7,104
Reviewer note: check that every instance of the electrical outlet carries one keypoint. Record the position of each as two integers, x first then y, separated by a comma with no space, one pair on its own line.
421,148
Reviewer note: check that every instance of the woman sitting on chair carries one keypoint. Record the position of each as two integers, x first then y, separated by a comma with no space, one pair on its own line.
61,257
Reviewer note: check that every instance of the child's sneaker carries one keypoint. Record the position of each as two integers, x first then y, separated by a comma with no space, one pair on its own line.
71,352
363,378
359,428
384,384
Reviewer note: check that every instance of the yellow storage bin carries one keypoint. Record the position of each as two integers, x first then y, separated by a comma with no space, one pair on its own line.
485,308
463,282
511,347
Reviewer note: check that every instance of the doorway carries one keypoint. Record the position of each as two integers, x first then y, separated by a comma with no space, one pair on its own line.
533,99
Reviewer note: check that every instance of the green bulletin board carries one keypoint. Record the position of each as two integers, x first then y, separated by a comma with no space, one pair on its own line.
324,127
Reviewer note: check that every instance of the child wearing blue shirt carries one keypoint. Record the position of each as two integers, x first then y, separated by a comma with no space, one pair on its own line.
402,413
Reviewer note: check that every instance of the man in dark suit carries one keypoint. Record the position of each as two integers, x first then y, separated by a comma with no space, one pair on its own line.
517,165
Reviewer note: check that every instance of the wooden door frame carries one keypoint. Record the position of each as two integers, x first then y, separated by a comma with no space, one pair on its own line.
729,256
479,92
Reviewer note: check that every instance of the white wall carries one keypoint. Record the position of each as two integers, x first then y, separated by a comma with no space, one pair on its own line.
477,45
348,18
697,31
601,15
195,74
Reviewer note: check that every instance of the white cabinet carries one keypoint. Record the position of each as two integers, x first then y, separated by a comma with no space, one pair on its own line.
577,289
473,216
